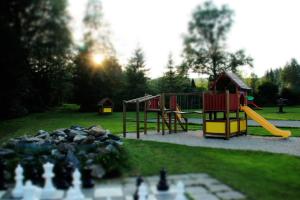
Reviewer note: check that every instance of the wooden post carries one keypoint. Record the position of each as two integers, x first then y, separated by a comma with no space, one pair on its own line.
162,111
238,113
158,122
227,115
170,122
246,119
137,119
203,116
186,124
145,117
175,122
124,119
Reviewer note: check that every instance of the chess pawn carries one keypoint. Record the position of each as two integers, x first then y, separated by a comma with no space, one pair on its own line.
139,181
2,173
48,190
180,191
77,185
163,184
31,192
18,190
143,192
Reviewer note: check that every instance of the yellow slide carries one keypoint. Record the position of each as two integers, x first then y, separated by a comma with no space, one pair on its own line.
264,123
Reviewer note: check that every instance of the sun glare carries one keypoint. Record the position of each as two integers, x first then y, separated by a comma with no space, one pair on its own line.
97,58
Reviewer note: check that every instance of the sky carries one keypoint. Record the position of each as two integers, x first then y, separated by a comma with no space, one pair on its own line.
268,30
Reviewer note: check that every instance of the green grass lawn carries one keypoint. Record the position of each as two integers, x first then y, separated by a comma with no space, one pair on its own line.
291,113
261,176
263,132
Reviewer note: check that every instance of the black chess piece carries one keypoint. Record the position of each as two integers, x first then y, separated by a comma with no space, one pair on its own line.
69,167
61,176
2,174
163,183
139,181
32,174
87,178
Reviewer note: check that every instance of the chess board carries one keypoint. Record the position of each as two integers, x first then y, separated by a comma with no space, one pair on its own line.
101,192
197,186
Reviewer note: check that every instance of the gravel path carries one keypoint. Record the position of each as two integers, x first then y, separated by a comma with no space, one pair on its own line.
278,123
289,146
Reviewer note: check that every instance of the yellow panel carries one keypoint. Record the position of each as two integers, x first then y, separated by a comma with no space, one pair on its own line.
243,125
215,127
233,127
107,110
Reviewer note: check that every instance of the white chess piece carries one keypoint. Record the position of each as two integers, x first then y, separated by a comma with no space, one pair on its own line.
48,190
17,192
180,191
143,192
71,194
31,192
75,193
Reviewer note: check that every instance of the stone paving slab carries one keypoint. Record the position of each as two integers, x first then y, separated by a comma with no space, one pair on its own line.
230,195
206,197
289,146
219,188
198,186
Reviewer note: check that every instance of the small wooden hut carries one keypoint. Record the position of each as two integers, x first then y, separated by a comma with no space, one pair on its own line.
221,107
105,106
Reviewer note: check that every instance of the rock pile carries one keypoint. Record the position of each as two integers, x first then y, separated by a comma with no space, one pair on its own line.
92,149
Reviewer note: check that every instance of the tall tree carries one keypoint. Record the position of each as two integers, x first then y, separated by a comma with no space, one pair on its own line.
291,76
97,72
135,75
169,82
204,45
35,41
253,82
49,43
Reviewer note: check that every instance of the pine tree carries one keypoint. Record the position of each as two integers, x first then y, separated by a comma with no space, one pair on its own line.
135,75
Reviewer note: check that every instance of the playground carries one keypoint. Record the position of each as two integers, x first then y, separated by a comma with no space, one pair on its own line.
224,112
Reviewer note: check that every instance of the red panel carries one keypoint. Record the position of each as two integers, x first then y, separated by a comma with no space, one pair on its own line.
173,102
154,103
215,102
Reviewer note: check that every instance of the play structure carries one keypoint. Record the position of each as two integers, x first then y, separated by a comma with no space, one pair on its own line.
105,106
250,101
167,107
225,109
